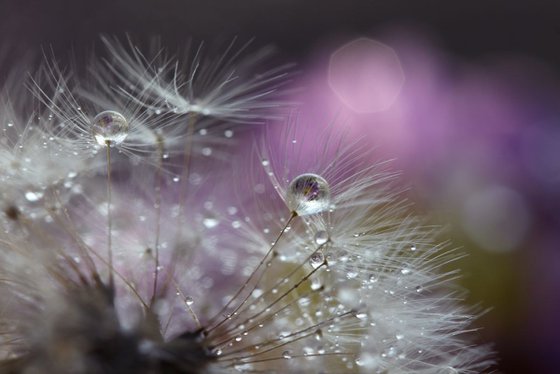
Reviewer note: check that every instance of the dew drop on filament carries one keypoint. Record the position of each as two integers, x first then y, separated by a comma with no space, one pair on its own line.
308,194
317,259
321,237
109,127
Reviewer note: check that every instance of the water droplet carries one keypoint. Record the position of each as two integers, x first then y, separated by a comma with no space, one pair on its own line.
321,237
265,162
317,259
405,271
228,133
315,284
238,338
361,315
287,355
210,222
308,194
33,196
351,274
413,247
189,300
419,289
391,352
109,127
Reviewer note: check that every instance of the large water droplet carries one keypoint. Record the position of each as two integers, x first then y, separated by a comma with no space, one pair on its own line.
308,194
109,127
321,237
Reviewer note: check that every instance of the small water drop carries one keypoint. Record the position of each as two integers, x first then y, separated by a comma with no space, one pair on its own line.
317,259
321,237
405,271
413,248
287,355
189,300
316,284
308,194
351,274
265,162
109,127
210,222
361,315
33,196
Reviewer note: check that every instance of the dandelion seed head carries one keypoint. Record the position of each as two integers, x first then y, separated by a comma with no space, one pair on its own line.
211,273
